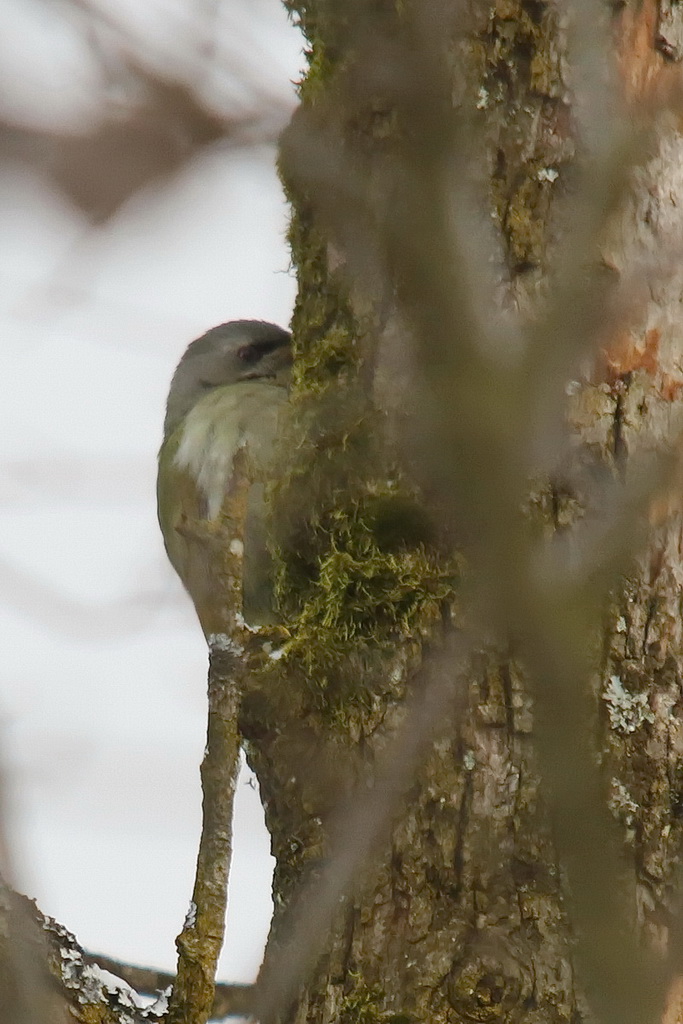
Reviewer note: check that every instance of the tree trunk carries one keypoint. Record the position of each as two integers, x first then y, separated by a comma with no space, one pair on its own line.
463,908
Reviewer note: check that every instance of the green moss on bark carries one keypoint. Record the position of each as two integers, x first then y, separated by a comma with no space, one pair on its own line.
362,1006
357,567
521,96
359,571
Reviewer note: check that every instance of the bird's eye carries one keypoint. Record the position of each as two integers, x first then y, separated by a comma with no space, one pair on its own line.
206,384
250,353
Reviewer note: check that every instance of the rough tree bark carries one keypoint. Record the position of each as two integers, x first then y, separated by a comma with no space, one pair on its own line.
461,913
471,899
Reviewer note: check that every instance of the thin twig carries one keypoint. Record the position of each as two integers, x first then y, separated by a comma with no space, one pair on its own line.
199,943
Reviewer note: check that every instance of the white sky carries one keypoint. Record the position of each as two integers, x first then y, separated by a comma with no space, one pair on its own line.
102,664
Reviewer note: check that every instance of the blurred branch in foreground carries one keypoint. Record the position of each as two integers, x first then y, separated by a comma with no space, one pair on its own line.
150,115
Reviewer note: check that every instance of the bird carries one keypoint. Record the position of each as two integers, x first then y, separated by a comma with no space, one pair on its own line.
223,414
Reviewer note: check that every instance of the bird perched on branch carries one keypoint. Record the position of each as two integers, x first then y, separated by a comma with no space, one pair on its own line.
221,422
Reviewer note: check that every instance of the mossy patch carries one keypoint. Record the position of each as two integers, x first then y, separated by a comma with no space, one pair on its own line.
324,328
358,570
362,1006
358,567
517,56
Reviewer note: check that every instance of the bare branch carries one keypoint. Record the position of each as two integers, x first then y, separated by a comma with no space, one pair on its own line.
200,942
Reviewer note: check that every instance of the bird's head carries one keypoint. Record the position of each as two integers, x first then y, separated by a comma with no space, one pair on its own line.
232,352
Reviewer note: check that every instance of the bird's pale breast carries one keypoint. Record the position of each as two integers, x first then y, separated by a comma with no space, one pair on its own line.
243,415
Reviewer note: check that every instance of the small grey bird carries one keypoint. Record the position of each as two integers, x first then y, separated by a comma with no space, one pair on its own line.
224,404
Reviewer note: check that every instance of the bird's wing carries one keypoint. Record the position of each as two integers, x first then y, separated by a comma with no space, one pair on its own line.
195,471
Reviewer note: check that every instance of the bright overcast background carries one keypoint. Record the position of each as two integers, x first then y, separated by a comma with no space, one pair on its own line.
103,666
